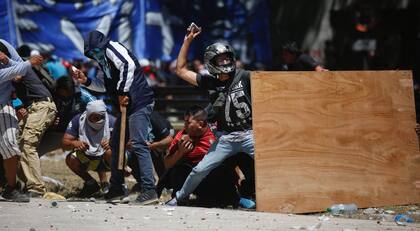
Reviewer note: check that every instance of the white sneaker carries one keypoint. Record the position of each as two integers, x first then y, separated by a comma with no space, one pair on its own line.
172,202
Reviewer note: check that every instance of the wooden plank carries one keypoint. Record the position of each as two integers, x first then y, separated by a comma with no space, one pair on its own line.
334,137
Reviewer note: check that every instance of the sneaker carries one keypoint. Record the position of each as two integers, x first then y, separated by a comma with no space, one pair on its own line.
246,203
147,197
89,189
115,195
33,194
13,195
172,202
104,187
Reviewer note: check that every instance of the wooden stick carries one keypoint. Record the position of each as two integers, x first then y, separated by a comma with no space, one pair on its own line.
121,150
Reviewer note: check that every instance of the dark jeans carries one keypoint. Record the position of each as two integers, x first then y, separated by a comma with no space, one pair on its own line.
138,127
247,166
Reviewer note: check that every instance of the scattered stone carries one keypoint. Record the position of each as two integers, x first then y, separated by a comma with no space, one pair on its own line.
369,211
390,212
92,199
106,220
307,227
323,218
32,229
203,218
54,204
121,218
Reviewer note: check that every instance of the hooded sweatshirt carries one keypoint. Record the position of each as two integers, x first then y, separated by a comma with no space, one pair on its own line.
122,72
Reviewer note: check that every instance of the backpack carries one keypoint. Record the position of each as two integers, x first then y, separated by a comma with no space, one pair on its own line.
45,78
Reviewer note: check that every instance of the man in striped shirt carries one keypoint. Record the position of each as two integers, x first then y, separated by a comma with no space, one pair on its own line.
9,147
125,82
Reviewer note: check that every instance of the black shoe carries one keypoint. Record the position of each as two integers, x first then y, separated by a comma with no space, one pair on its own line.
13,195
136,188
115,195
89,189
104,187
147,197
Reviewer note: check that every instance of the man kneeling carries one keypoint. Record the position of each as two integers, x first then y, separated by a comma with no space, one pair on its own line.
88,135
187,149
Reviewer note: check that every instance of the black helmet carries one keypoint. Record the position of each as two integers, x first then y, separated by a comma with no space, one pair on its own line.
209,59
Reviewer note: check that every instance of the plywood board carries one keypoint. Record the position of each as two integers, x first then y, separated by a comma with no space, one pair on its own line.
334,137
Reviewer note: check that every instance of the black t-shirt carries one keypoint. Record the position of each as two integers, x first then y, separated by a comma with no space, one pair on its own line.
161,127
303,62
233,108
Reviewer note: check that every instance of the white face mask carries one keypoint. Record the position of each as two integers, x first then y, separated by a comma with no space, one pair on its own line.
98,125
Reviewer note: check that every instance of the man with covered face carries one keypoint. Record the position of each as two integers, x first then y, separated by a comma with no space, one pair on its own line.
232,107
125,82
88,135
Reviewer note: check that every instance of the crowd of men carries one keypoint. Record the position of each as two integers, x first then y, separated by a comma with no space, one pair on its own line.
211,157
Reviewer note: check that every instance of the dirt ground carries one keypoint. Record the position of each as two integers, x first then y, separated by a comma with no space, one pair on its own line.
53,166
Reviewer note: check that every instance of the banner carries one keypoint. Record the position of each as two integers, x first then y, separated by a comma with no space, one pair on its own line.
147,27
7,28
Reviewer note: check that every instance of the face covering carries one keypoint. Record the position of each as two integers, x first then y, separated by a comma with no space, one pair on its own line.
96,125
99,56
94,132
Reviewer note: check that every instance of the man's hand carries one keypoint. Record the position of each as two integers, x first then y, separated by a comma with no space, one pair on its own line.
417,128
105,144
192,32
319,68
21,113
80,145
129,145
18,79
3,58
78,75
150,145
185,145
36,60
56,121
123,100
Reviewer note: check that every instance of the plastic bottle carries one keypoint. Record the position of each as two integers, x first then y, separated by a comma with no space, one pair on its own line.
342,209
402,219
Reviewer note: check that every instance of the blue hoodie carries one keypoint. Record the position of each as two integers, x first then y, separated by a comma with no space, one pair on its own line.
122,72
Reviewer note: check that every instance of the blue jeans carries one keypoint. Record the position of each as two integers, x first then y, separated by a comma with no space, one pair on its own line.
138,126
222,149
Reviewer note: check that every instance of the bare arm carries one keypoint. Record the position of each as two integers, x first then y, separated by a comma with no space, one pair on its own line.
183,147
161,144
181,62
70,142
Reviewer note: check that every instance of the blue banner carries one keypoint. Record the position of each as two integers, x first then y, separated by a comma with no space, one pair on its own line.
7,28
147,27
60,26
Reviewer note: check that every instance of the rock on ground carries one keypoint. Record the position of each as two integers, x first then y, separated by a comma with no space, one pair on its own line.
42,214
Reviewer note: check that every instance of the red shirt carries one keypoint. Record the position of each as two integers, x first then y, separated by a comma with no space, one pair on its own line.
201,146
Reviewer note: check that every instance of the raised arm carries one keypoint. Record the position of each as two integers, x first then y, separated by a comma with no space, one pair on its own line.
181,62
19,69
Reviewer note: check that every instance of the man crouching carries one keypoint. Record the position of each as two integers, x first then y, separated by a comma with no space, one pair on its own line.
88,135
